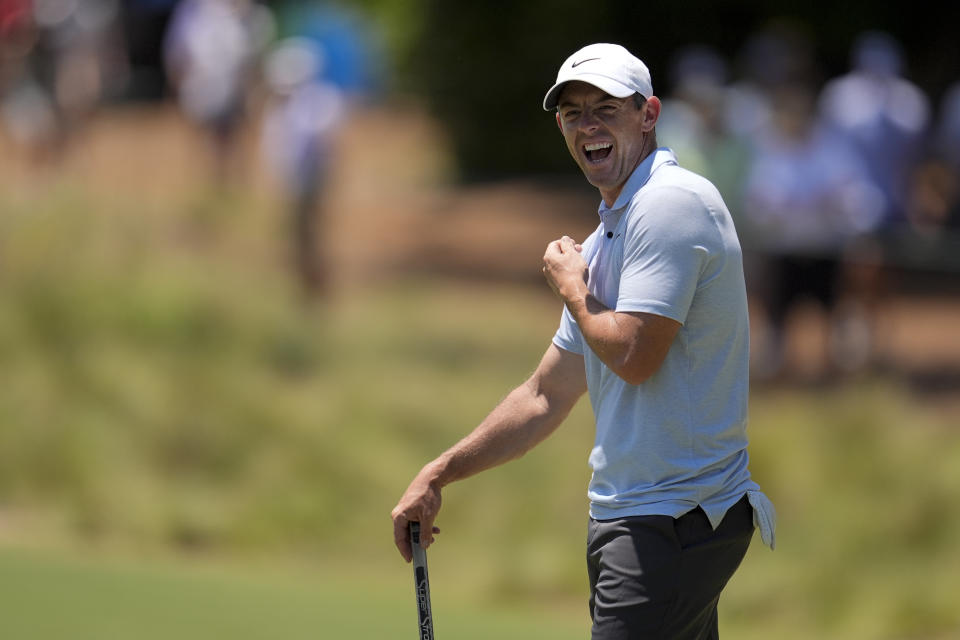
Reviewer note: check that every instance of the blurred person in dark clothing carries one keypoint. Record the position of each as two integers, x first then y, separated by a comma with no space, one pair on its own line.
885,119
947,139
807,198
934,203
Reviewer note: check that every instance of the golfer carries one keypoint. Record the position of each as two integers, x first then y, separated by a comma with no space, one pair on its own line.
655,329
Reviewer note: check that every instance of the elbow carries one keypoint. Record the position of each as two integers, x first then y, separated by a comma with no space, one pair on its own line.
634,377
639,356
635,371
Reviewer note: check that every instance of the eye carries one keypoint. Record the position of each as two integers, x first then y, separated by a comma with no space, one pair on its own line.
570,114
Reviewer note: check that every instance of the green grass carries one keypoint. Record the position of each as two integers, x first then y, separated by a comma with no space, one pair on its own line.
163,394
865,481
63,598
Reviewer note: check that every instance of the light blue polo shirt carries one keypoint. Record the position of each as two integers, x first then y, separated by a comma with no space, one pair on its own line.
668,247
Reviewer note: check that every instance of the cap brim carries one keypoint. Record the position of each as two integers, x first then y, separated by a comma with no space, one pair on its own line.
612,87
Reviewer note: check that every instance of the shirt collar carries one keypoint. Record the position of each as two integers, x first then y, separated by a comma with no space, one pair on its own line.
639,177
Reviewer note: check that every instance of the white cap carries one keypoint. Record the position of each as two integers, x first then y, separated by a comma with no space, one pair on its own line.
606,66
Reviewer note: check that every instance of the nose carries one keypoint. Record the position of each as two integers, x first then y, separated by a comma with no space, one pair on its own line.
588,121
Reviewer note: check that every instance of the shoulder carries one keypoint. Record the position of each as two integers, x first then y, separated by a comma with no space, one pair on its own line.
679,209
675,193
676,182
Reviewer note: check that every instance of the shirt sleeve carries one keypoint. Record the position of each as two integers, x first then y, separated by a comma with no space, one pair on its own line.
568,336
669,236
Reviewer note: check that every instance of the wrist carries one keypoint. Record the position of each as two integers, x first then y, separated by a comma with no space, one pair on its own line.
574,295
435,473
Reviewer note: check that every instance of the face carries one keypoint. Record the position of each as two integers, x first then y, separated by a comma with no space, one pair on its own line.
607,137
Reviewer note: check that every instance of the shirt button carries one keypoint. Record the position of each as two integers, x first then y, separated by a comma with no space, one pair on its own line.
609,234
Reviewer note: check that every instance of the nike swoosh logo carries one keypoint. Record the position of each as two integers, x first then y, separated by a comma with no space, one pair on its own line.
577,64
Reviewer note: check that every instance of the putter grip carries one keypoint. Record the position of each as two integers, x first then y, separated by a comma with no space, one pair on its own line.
421,580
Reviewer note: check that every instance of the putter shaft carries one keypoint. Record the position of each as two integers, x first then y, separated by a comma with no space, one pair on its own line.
421,581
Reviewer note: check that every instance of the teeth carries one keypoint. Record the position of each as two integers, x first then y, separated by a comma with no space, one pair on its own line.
593,146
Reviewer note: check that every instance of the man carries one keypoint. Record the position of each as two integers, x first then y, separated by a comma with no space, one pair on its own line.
655,328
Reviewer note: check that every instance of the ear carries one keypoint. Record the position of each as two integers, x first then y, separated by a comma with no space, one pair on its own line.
559,122
651,113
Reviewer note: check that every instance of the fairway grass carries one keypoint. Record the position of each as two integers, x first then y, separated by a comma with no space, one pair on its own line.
46,596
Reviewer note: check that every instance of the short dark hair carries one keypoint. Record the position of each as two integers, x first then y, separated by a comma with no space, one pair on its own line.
639,100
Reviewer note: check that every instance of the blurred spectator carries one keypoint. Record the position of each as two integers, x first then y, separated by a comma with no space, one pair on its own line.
27,111
60,61
86,44
17,33
145,24
211,50
882,116
694,123
323,67
301,121
934,203
830,173
776,55
948,127
807,197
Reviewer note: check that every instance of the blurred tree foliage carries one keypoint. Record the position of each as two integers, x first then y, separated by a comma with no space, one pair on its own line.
483,69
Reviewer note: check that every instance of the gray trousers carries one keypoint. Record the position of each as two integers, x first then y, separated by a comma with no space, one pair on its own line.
660,578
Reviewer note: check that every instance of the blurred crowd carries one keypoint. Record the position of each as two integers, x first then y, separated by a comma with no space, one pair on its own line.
831,180
58,62
298,62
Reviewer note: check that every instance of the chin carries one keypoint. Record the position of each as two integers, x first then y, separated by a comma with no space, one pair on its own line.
597,181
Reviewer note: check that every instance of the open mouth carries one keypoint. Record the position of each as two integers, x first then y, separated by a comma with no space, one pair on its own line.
597,151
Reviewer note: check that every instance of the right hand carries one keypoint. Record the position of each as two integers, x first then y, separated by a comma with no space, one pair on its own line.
564,267
419,503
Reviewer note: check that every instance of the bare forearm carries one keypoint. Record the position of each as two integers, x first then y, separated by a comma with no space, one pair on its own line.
522,420
525,417
603,329
611,336
632,345
518,423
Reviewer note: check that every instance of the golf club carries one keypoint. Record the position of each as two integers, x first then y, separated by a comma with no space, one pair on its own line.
421,581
